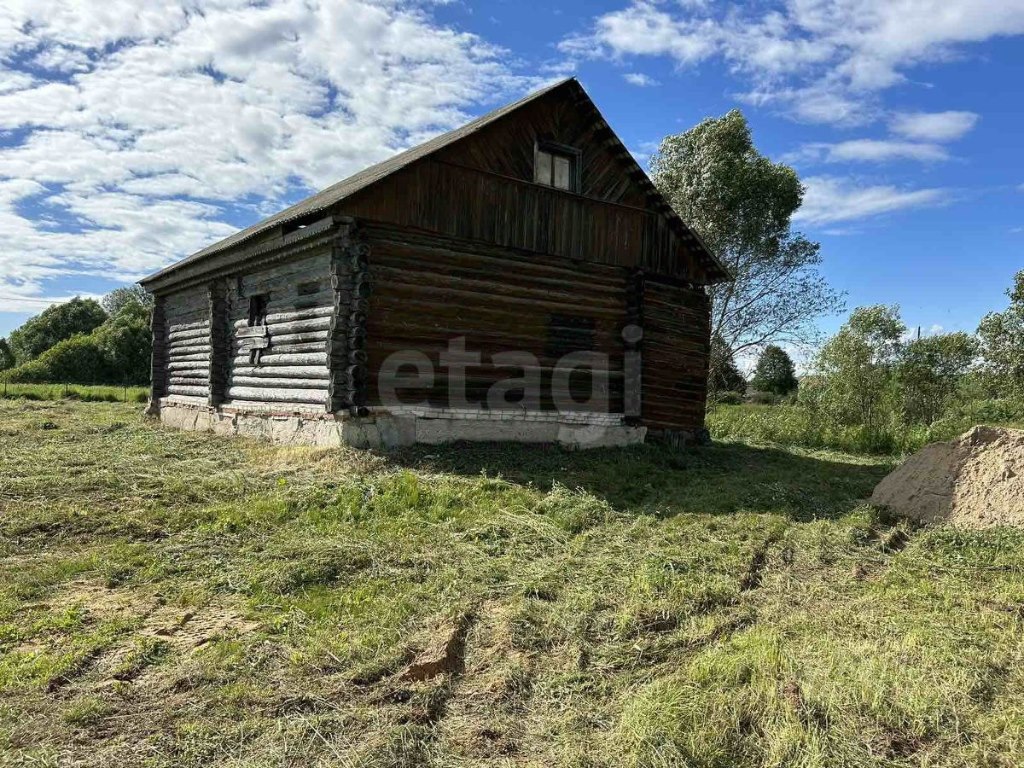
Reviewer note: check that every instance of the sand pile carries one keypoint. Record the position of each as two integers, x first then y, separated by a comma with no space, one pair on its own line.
975,481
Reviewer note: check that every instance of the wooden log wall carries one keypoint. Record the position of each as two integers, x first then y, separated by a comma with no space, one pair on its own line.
347,339
676,350
471,204
632,337
506,147
187,317
429,291
220,341
284,361
158,364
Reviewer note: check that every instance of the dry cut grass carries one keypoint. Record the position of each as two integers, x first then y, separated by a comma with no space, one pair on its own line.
170,599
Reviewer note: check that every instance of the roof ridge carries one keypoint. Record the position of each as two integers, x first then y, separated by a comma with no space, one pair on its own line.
334,194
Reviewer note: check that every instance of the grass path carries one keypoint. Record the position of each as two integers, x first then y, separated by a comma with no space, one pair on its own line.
171,599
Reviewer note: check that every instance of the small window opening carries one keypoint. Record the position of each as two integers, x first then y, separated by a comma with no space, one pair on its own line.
257,319
557,167
257,310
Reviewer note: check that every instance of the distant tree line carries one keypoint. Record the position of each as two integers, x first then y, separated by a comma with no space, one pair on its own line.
875,382
83,341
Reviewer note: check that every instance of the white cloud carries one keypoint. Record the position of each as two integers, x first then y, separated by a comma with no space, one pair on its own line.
11,301
821,60
934,126
830,200
640,79
868,151
131,134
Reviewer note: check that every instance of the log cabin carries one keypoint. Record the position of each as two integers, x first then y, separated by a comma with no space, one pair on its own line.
516,279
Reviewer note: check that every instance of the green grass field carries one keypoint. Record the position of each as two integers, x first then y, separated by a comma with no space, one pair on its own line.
797,425
172,599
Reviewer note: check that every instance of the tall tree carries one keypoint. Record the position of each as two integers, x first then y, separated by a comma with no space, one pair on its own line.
126,343
725,375
6,355
1002,342
930,371
856,368
124,296
54,324
775,372
742,204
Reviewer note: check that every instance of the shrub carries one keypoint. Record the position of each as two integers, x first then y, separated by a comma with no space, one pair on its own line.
758,397
729,398
126,343
53,325
79,359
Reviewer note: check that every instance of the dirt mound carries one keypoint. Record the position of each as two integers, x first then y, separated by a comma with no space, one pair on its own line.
974,481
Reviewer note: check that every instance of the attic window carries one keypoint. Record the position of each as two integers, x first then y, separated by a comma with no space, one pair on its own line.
558,166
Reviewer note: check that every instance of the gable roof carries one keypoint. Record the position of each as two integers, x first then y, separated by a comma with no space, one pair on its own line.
331,196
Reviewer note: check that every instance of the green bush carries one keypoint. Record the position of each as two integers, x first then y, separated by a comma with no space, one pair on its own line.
729,398
79,359
116,352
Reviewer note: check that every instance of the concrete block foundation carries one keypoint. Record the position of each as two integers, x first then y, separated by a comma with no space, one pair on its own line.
386,428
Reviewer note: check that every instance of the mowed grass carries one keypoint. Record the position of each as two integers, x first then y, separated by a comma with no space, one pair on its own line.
173,599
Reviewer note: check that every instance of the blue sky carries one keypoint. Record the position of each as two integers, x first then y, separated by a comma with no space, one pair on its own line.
129,138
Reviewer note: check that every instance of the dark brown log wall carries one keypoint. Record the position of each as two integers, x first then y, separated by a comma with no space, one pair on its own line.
506,148
471,204
158,360
292,370
428,291
187,322
676,346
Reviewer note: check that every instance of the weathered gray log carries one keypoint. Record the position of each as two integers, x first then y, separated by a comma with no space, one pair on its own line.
298,325
291,299
312,358
179,304
176,324
183,365
220,340
196,357
158,357
299,338
188,333
261,394
187,321
290,315
275,383
286,349
288,274
190,349
187,381
188,391
283,372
